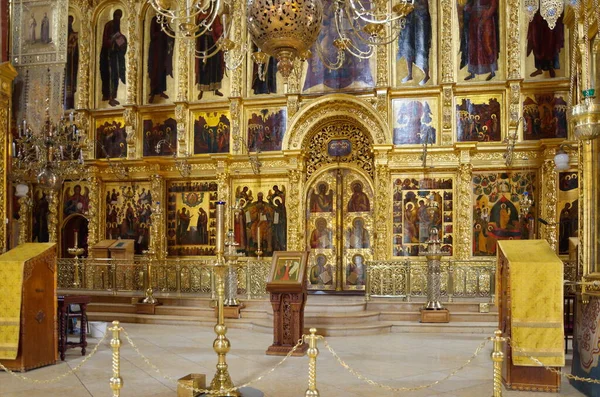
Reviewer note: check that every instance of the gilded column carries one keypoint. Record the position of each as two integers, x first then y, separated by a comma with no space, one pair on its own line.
3,171
52,216
293,89
181,116
83,73
236,79
514,107
383,201
462,243
130,116
133,56
93,214
548,200
7,75
24,219
383,66
184,49
223,188
447,114
382,212
294,211
88,146
235,107
513,40
448,55
157,187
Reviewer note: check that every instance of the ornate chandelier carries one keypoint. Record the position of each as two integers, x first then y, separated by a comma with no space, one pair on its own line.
285,29
48,147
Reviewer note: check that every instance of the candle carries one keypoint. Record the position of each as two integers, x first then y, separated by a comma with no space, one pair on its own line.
258,237
76,238
14,149
220,227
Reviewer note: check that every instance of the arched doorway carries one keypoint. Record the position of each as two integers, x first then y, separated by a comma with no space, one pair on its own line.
74,226
337,138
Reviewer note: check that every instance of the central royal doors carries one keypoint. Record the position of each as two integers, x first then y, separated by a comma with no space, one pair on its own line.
339,230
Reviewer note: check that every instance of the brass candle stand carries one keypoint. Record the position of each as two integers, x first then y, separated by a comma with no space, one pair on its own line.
221,384
434,311
77,252
149,298
231,257
151,253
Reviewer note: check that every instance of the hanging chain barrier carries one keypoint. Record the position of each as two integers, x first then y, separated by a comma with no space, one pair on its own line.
211,391
553,369
403,389
61,376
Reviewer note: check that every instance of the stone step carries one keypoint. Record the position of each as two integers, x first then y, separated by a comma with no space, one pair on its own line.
485,328
341,319
466,317
110,307
380,328
391,305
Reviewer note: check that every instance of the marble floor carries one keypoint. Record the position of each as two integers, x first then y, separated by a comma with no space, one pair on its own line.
396,360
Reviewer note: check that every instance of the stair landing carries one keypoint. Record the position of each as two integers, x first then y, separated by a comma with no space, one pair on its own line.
332,315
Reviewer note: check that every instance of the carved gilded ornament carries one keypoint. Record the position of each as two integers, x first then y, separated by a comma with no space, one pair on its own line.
133,50
462,244
293,105
513,40
338,128
382,67
548,202
515,105
235,112
354,109
447,61
184,48
294,208
93,213
236,80
157,242
52,216
382,211
84,12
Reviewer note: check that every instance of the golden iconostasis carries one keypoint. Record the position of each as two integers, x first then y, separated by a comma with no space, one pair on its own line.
342,163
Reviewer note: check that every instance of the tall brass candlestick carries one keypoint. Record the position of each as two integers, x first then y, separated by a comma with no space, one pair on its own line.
76,251
221,383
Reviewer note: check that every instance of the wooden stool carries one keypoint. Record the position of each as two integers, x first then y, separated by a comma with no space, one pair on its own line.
65,315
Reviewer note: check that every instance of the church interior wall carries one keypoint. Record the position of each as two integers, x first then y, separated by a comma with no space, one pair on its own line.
449,130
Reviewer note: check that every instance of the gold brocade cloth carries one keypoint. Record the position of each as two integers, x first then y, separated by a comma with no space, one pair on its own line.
12,268
536,291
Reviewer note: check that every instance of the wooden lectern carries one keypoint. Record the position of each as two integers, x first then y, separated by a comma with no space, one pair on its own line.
530,307
28,337
287,285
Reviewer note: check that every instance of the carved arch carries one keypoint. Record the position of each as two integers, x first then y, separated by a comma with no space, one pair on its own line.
338,106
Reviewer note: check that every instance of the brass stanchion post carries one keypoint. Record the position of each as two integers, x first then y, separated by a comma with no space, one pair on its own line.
221,383
312,353
116,382
497,358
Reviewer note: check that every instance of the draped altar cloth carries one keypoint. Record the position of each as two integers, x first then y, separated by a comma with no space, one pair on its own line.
13,272
536,291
